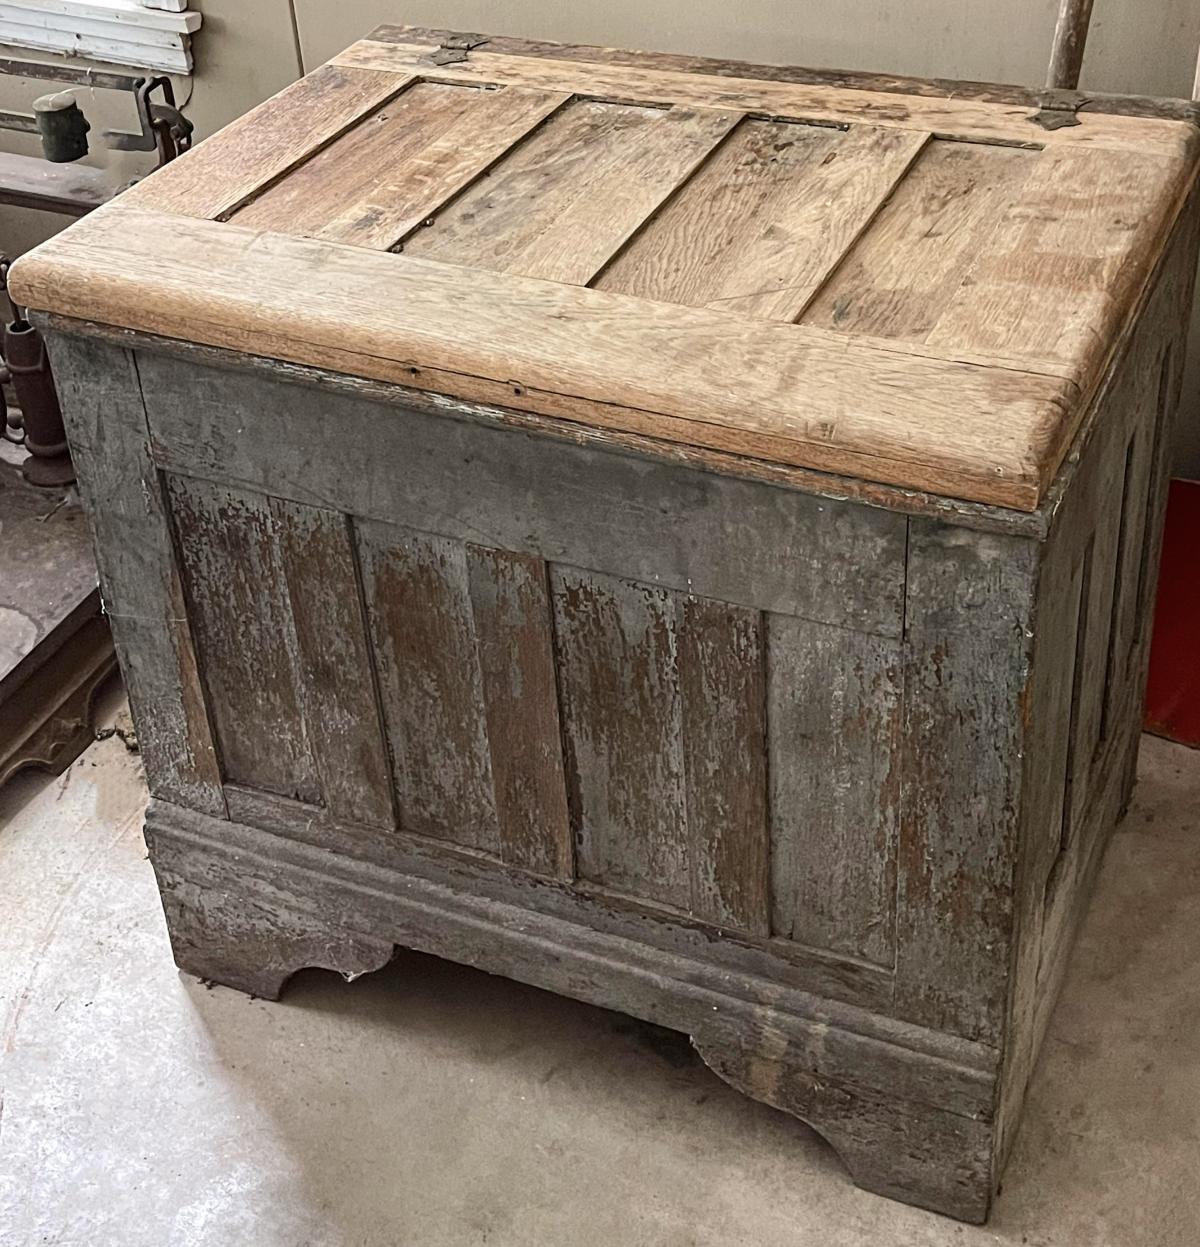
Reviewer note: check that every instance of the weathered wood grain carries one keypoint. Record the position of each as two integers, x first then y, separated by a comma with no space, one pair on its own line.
723,726
806,396
337,689
803,242
422,631
621,723
834,706
239,607
219,175
932,1159
106,423
783,178
678,985
1097,499
1062,268
827,486
338,176
822,785
609,510
561,205
968,118
836,981
967,656
664,694
415,182
434,40
894,283
510,603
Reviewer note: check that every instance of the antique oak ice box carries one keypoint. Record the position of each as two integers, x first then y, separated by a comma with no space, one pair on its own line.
677,533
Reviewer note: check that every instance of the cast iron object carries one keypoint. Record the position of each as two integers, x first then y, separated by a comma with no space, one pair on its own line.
62,126
49,461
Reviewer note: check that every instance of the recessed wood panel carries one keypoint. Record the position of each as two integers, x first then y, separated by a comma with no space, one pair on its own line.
894,282
762,225
663,694
560,206
625,772
723,721
242,618
334,662
510,601
340,175
268,142
422,629
834,701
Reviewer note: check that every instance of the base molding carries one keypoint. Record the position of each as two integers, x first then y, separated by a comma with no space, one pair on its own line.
909,1111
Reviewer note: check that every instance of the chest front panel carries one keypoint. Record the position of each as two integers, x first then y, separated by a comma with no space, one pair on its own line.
640,679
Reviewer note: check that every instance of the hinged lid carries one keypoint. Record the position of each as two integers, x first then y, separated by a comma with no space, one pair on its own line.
907,288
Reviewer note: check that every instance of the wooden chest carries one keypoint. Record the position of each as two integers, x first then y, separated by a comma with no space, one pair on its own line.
676,533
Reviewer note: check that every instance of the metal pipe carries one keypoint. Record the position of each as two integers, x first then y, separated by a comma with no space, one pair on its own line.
25,122
1070,40
102,79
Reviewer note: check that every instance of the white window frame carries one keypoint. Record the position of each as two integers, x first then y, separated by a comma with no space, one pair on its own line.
147,34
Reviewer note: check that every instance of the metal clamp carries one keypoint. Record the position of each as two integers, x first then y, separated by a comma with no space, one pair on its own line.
164,128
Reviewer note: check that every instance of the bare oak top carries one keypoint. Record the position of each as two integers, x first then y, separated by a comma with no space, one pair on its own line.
909,283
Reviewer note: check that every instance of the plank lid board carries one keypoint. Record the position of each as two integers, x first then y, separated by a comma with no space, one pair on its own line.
884,281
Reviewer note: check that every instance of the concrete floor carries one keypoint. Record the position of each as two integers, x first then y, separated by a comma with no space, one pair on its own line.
431,1104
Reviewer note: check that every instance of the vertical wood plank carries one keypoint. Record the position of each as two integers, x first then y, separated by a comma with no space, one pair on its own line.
245,635
335,666
766,220
723,722
1078,759
1135,509
510,599
223,172
789,262
834,708
617,655
106,422
896,279
968,653
341,174
417,590
562,204
415,186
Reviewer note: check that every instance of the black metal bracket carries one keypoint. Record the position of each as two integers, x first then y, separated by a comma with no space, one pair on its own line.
163,127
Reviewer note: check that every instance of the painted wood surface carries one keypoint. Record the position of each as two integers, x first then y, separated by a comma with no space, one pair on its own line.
334,664
834,704
423,634
589,506
510,602
966,671
238,606
139,580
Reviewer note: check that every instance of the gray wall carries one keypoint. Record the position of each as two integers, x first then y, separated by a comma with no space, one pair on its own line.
251,48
